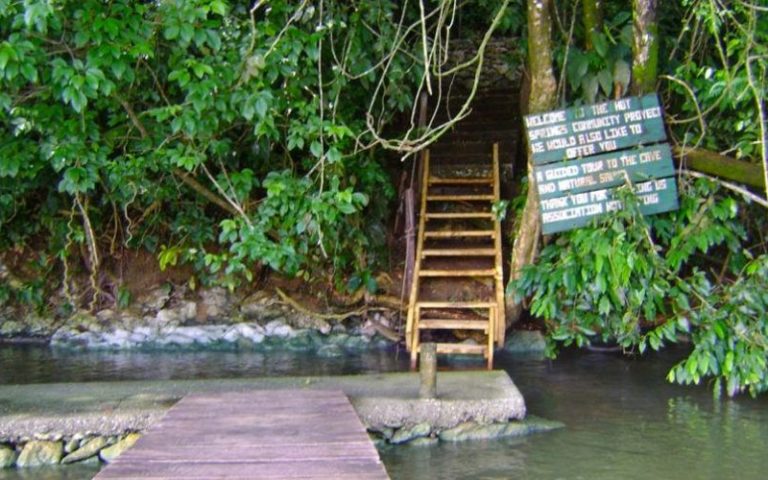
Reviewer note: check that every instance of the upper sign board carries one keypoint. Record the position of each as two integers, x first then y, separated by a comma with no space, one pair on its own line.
593,129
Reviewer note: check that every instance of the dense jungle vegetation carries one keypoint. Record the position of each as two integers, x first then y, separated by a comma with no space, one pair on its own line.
241,136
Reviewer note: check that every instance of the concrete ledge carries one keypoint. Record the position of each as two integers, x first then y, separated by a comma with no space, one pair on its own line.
382,401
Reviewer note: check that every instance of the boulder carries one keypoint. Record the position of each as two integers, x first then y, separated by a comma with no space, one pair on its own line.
525,341
155,299
537,424
407,434
38,453
35,324
260,305
215,303
330,351
106,316
112,452
277,328
169,317
7,456
117,338
71,445
84,322
424,442
87,450
10,328
472,431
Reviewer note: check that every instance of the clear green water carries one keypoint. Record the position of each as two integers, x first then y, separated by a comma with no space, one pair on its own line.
623,420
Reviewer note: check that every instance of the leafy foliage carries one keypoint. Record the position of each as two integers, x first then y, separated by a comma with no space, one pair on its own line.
143,113
639,282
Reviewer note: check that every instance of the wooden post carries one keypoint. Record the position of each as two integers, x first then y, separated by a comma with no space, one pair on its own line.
428,371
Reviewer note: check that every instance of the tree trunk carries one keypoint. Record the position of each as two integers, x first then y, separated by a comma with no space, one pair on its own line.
593,19
645,48
541,99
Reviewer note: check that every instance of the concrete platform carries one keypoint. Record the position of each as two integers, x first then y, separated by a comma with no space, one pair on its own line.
381,401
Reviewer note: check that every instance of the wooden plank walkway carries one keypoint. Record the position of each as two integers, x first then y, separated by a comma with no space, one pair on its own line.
282,434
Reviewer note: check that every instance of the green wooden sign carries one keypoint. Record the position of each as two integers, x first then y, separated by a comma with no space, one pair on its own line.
582,154
593,129
577,210
603,171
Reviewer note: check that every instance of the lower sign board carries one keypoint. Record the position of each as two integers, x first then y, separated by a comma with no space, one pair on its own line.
603,171
578,209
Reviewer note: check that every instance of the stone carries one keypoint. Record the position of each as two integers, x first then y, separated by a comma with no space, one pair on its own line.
406,434
94,460
355,342
117,338
38,453
330,351
337,338
515,429
71,445
424,442
256,304
89,449
368,329
537,424
7,457
215,303
277,328
10,328
169,317
155,299
472,431
35,324
83,321
113,451
187,310
525,341
106,316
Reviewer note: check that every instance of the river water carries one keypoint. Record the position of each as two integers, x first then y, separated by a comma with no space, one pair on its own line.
623,421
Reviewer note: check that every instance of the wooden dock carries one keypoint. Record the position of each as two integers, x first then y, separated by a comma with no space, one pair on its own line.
282,434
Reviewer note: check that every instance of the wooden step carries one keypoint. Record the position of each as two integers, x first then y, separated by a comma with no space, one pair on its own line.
451,324
459,198
458,252
460,349
485,272
459,233
457,305
461,181
459,215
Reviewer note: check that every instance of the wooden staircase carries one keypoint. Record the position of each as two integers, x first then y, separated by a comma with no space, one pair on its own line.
459,243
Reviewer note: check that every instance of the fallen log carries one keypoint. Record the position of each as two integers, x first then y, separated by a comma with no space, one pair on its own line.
728,168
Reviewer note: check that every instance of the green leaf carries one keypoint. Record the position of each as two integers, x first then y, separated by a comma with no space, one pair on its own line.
219,7
316,148
606,81
171,32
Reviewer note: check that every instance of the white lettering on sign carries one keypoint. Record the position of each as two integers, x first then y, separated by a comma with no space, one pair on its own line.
561,172
650,156
547,187
545,119
580,151
593,167
594,123
560,143
574,212
554,203
547,132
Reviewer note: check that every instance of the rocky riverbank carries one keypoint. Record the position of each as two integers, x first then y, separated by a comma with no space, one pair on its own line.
168,318
50,450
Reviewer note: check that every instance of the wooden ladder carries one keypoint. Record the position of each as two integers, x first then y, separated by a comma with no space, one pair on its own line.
482,315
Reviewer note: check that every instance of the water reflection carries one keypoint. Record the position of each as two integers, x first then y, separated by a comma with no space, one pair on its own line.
624,421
